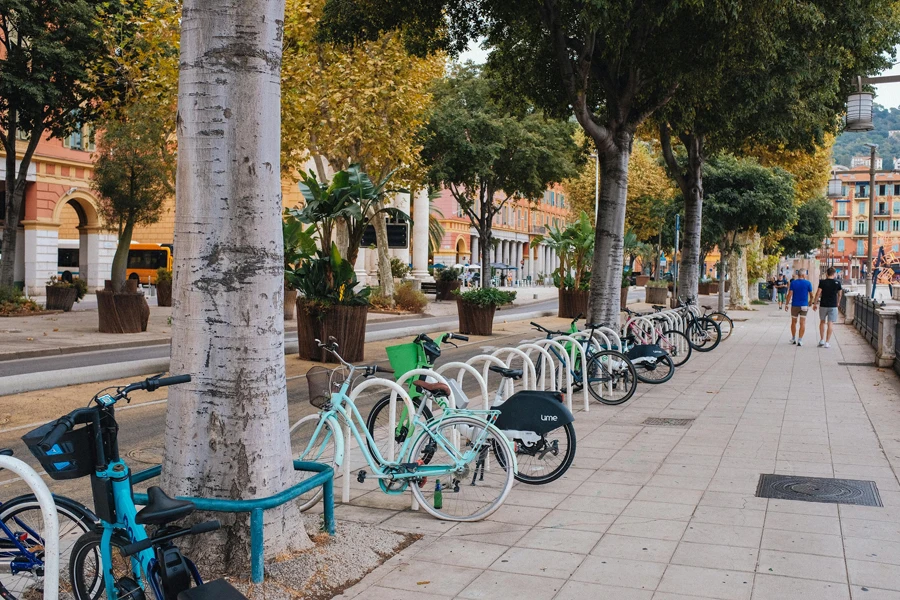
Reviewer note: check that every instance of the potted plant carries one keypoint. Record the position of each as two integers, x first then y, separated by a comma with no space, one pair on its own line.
163,287
574,246
476,309
447,283
133,171
62,294
299,244
657,291
626,284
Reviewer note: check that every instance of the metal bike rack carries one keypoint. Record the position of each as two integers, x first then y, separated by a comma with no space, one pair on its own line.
256,506
576,346
463,369
51,522
529,373
541,380
564,358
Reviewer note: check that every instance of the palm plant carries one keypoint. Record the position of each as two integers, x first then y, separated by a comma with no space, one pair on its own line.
574,246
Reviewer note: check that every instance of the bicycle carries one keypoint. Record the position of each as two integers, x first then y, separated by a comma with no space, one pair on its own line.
726,325
611,375
675,343
454,445
702,332
118,557
22,543
537,422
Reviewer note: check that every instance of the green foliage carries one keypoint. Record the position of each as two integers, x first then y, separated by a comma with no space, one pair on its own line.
657,283
163,275
813,225
399,269
448,274
80,285
574,246
850,144
486,296
406,297
10,293
14,302
327,279
299,245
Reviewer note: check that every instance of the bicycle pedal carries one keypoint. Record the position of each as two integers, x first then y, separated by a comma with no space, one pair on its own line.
361,476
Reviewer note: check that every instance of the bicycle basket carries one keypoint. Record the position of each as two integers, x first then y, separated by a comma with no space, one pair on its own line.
322,383
71,457
405,357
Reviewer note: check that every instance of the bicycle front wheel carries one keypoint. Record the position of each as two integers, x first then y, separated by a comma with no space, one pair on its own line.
654,371
313,443
24,518
473,486
611,377
677,345
724,322
546,459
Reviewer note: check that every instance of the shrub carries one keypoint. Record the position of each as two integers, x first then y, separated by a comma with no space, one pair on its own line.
378,300
10,294
14,302
163,275
658,283
486,296
410,299
399,269
79,284
449,274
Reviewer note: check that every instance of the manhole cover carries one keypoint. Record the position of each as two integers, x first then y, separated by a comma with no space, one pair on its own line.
149,456
666,422
818,489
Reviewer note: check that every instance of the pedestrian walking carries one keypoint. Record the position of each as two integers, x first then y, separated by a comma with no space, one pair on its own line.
770,289
826,303
798,299
781,287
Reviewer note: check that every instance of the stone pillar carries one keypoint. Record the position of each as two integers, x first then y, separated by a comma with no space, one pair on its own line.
497,249
851,308
41,255
475,259
97,248
887,330
520,272
421,210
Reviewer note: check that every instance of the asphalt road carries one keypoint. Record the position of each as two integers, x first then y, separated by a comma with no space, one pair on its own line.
141,427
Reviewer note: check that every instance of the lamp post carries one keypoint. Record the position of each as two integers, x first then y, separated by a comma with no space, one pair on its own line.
596,157
869,263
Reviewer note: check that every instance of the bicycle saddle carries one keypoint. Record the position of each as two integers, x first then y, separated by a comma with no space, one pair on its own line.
595,325
437,389
161,509
6,452
657,307
511,373
707,307
218,589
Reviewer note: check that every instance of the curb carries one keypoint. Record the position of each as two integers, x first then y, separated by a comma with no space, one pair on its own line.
78,349
30,382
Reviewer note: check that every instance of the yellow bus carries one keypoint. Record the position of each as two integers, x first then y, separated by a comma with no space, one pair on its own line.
145,259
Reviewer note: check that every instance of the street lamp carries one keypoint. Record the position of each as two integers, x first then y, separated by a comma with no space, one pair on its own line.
869,263
596,157
835,186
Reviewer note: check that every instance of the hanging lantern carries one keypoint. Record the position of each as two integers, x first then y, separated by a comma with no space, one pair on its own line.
835,188
859,112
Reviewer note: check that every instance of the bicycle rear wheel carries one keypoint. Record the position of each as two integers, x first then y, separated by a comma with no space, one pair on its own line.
611,377
658,371
23,517
677,345
545,460
379,419
724,322
473,489
704,334
321,450
86,570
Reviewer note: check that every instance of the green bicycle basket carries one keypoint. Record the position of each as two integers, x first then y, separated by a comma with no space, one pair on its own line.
405,357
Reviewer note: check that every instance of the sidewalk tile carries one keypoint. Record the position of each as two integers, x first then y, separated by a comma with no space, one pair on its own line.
492,532
620,572
461,552
877,575
531,561
660,494
659,510
872,550
602,489
606,506
708,583
820,509
804,523
728,535
680,482
729,516
648,527
634,548
714,556
522,496
563,540
383,593
584,521
494,584
802,566
773,587
861,592
733,500
579,590
795,541
428,577
519,515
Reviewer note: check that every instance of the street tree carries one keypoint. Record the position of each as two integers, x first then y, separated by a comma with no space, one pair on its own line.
134,172
813,225
742,200
227,430
486,155
611,65
48,49
778,79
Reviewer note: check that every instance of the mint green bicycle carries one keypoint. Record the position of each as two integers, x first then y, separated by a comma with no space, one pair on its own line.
445,464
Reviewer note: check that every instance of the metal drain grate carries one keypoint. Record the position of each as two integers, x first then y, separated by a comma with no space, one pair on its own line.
666,422
818,489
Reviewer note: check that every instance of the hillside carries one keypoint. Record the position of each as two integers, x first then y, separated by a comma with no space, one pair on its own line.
850,144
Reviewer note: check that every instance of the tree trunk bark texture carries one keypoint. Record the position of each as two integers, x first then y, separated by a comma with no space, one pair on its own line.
739,297
385,277
227,430
606,271
484,244
120,259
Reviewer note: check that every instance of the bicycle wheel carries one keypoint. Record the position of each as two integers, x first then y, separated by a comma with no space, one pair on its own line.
677,345
659,370
378,421
86,572
611,377
23,517
724,322
321,450
471,490
545,460
707,331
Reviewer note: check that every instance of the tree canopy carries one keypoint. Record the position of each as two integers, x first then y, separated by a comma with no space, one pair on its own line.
813,225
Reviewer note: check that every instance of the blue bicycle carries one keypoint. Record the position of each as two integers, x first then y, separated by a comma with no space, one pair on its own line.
22,543
119,558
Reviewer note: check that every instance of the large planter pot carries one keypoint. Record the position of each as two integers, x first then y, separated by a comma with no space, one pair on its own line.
572,303
641,280
728,285
624,300
475,319
164,293
703,289
347,324
445,289
126,312
290,303
656,295
61,298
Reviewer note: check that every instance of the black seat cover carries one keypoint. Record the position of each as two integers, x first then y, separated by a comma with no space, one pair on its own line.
511,373
6,452
161,509
658,307
212,590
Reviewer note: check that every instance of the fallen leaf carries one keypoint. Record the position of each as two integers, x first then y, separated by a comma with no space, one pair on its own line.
29,339
57,329
422,582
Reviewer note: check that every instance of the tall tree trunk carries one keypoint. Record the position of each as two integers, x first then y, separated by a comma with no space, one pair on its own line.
606,269
227,430
385,276
484,244
723,265
120,258
739,297
15,195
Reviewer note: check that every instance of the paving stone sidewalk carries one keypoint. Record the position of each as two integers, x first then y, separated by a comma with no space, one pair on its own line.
670,513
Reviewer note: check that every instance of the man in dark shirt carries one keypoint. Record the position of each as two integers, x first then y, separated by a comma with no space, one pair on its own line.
826,302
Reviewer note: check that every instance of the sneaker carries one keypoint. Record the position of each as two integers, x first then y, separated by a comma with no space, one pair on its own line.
793,341
827,345
799,342
821,343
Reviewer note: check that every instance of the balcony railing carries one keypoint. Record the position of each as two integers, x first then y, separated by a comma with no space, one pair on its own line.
539,229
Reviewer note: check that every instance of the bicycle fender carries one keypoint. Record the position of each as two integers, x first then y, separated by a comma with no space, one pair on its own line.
533,410
338,441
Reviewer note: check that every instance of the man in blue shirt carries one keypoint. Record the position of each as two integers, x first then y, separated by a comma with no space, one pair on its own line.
798,300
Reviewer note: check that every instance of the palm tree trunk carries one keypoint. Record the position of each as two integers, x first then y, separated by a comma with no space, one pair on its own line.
227,430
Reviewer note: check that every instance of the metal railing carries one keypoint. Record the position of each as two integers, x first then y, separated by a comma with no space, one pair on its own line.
866,319
897,348
842,305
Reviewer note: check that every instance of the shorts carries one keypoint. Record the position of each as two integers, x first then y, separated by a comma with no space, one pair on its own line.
828,313
799,311
781,296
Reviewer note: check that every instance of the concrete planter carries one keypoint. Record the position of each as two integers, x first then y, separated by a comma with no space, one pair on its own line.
655,295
